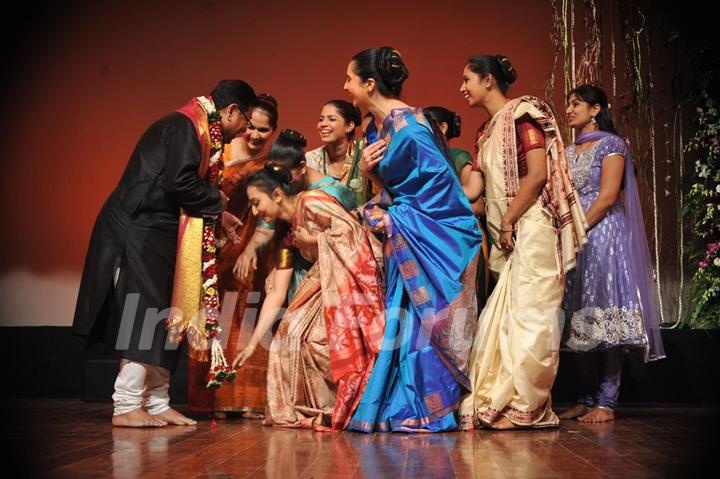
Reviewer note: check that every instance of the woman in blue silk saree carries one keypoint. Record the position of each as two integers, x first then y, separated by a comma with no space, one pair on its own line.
431,254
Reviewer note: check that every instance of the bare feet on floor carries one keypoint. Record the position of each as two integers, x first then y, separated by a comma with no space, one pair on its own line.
503,424
138,418
598,414
173,417
575,411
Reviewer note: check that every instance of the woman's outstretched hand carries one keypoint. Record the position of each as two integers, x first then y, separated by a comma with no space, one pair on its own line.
243,356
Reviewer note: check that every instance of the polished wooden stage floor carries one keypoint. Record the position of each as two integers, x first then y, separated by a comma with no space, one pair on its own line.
69,438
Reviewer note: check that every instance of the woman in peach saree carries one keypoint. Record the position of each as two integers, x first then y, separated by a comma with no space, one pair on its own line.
327,341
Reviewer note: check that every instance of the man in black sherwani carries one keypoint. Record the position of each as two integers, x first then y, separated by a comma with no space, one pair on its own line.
127,283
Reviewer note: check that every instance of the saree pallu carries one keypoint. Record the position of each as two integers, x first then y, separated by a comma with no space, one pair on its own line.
325,347
345,197
431,255
516,349
247,393
484,282
337,190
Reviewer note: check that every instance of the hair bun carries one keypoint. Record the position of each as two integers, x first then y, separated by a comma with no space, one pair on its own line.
391,67
268,98
507,68
457,124
278,171
294,136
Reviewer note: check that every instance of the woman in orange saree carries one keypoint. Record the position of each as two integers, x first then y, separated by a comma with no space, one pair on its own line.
246,394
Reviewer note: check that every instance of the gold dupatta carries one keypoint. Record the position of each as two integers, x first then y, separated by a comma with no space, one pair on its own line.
498,154
186,312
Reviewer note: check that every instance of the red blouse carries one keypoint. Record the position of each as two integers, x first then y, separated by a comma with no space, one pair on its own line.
529,136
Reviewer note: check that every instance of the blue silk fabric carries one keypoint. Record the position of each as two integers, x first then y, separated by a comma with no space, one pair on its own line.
432,245
337,190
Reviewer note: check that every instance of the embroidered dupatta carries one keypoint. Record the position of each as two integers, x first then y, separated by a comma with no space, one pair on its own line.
186,313
559,198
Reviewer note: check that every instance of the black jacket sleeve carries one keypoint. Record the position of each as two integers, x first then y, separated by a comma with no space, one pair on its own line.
181,181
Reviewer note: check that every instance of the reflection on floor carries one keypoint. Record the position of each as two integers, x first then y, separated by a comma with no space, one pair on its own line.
69,438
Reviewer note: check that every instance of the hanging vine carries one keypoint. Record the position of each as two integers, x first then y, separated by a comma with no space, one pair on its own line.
590,64
556,39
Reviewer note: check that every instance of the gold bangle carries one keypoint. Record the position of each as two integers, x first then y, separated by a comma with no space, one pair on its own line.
284,258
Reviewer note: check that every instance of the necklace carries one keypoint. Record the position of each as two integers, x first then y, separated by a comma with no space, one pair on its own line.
220,371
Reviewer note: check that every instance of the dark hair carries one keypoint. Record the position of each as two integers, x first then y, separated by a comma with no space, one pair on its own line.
443,115
440,141
287,149
272,176
233,91
496,65
269,105
384,65
595,95
350,114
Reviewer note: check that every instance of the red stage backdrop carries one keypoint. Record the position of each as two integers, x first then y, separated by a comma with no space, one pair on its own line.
86,81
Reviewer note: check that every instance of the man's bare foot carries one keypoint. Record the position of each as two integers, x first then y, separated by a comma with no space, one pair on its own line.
598,414
503,424
173,417
574,412
138,418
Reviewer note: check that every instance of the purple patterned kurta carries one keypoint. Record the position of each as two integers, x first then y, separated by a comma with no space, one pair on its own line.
601,303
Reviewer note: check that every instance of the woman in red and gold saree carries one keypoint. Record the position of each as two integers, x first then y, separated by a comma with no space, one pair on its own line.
246,394
537,227
327,341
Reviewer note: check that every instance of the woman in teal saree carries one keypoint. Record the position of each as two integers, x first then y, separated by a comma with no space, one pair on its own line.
431,254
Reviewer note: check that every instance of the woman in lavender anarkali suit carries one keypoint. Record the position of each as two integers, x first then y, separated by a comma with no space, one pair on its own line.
610,302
